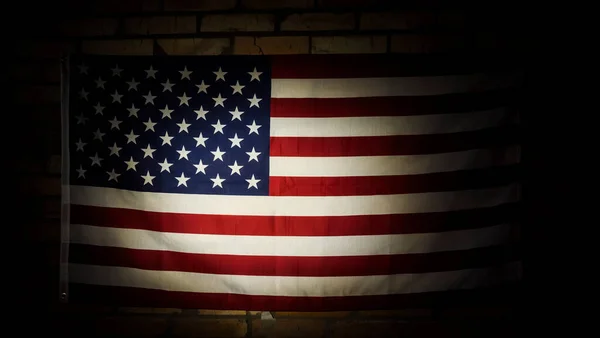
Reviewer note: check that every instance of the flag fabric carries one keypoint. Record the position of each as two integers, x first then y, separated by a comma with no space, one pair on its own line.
308,182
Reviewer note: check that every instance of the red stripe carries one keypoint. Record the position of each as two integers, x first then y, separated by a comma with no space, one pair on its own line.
292,266
392,105
381,65
402,184
127,296
294,226
393,145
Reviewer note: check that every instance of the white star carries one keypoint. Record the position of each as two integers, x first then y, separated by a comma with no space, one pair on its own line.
184,100
235,141
149,125
131,164
100,83
80,145
255,75
131,137
253,127
148,151
219,101
81,119
148,179
254,101
112,175
220,74
253,155
166,139
217,181
149,98
185,73
235,168
96,160
218,127
182,180
183,153
83,94
200,140
98,135
183,126
237,88
236,114
133,111
116,71
200,167
114,123
83,69
218,154
114,150
80,172
167,86
132,84
116,97
165,166
99,108
166,112
202,87
253,182
151,73
201,113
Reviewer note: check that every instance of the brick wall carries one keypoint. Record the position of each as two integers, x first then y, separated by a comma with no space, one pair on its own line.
209,27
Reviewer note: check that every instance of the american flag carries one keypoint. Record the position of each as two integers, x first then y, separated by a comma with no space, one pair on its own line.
308,182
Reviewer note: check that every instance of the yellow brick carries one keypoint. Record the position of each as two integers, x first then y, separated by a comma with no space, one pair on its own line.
421,43
44,232
40,186
195,46
275,4
221,313
148,310
289,328
118,47
330,314
318,22
125,6
349,44
128,326
397,20
356,329
39,94
396,313
43,48
199,327
90,27
238,23
160,25
271,45
198,5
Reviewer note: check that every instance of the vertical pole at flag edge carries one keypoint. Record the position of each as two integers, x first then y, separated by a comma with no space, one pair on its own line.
65,174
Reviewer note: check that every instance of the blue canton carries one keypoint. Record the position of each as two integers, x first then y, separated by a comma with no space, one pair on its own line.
194,125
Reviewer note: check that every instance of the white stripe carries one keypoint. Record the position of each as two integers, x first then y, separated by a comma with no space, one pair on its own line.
349,166
305,246
389,86
294,205
293,286
388,125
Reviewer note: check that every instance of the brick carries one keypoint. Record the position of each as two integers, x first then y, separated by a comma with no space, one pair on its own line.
129,6
277,4
221,313
51,71
238,23
40,186
148,310
118,47
199,327
54,164
356,329
127,326
160,25
38,94
47,231
43,49
289,328
407,313
195,46
349,44
199,5
397,20
416,43
90,27
51,208
330,314
271,45
353,3
24,72
318,22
